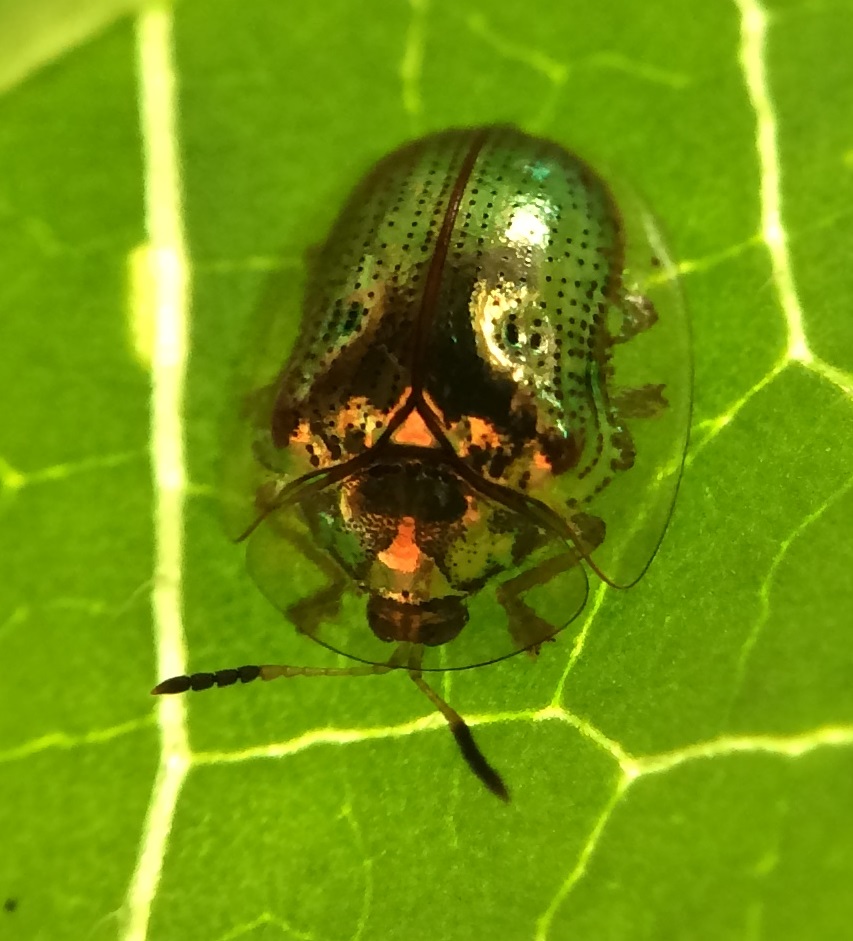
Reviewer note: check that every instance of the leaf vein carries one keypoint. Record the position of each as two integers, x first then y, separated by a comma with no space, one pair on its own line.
754,24
168,291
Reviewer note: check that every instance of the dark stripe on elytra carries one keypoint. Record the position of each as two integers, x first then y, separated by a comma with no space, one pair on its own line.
432,288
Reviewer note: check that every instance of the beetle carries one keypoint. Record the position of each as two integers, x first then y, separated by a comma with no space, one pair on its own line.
489,395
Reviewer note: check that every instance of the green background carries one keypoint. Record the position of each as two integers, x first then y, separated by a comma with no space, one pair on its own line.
681,761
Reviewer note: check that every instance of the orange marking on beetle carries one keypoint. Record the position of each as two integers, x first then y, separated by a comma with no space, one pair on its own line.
472,513
403,555
414,431
302,434
483,432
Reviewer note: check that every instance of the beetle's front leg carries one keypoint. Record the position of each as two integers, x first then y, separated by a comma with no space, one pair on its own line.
527,629
308,614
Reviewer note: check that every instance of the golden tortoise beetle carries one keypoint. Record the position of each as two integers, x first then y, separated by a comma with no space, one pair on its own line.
490,392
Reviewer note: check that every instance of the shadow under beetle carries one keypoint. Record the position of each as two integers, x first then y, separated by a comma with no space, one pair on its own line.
490,393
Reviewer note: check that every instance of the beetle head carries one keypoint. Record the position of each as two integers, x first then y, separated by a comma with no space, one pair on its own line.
432,623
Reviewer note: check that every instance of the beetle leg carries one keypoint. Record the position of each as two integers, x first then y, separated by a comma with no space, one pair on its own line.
638,314
643,402
589,531
526,628
474,758
308,614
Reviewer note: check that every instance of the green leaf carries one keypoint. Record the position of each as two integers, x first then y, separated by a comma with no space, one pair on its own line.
680,760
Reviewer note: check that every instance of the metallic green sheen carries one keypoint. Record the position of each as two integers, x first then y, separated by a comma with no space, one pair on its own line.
490,317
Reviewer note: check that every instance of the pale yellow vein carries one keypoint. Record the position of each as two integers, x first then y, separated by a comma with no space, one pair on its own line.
262,921
789,746
168,290
632,766
66,741
430,722
705,432
705,263
543,923
580,641
754,23
764,591
348,815
555,72
13,479
411,64
643,71
633,769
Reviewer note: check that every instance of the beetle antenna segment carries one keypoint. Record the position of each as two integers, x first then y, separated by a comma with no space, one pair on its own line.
200,681
270,671
274,671
475,759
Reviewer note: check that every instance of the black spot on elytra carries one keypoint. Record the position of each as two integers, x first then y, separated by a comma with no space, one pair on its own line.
459,379
562,453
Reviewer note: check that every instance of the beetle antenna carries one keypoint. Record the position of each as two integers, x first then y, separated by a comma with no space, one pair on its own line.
269,671
475,759
200,681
